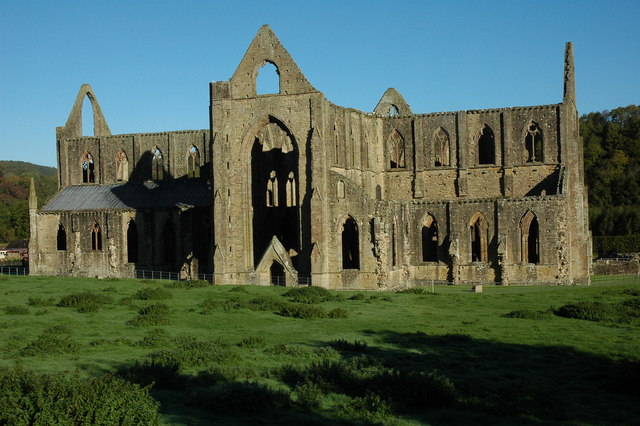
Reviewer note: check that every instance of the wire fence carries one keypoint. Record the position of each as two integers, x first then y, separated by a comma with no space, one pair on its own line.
14,270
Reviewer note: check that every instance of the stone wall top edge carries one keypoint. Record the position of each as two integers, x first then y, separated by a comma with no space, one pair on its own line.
86,211
126,135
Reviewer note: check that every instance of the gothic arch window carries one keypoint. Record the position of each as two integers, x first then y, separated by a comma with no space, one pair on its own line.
193,162
61,238
442,147
122,166
393,111
378,193
268,79
157,165
486,146
350,244
394,253
429,239
96,236
272,190
529,238
533,142
479,233
336,145
340,189
88,168
396,150
290,189
169,243
132,242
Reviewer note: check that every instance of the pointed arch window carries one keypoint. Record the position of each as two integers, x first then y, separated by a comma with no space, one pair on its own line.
290,189
486,146
61,238
268,79
122,166
157,165
442,146
533,143
272,190
340,189
429,239
88,168
336,145
193,163
396,150
393,111
132,242
169,243
529,238
96,237
479,238
350,244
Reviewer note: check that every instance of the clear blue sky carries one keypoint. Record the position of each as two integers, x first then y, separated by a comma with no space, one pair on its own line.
150,62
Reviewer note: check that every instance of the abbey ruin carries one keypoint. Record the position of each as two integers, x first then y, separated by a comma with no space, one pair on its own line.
288,187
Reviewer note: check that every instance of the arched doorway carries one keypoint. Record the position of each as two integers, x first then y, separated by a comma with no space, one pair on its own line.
277,275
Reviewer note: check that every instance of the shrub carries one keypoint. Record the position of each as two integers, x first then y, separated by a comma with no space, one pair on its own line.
110,289
160,375
416,290
590,311
16,310
86,301
631,292
190,352
156,337
187,284
308,395
252,342
29,398
148,293
58,329
241,398
309,295
209,304
238,289
37,301
297,351
527,314
359,296
224,374
369,409
343,345
338,313
302,311
50,344
156,314
266,303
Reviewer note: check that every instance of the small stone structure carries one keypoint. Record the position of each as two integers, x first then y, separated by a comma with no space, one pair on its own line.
284,186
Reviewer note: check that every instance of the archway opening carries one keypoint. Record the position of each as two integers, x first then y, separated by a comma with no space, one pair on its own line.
61,238
479,236
350,245
430,240
486,146
132,242
530,238
268,79
276,272
88,128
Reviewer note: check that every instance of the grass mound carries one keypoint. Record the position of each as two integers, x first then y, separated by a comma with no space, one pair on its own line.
416,290
16,310
86,301
627,311
156,314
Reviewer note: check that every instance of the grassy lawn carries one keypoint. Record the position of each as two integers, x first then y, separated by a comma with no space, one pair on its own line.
243,355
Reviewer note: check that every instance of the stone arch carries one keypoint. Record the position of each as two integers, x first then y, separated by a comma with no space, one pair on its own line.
486,146
157,164
122,166
479,238
193,162
262,82
87,166
350,243
529,238
442,147
390,101
396,149
73,127
96,236
61,238
429,238
276,273
533,142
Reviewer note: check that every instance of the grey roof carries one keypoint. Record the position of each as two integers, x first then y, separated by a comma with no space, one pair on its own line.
132,196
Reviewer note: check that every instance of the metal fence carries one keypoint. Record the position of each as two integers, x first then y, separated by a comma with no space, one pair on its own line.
14,270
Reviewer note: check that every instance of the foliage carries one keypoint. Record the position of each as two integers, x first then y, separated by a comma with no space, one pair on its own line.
310,295
625,311
611,245
527,314
188,284
38,301
148,293
343,345
16,310
298,310
86,301
51,344
241,398
416,290
188,351
338,313
151,373
371,409
46,399
156,314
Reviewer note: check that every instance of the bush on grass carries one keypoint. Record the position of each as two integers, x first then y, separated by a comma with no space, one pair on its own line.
311,295
152,315
240,398
50,344
343,345
187,284
225,374
528,314
338,313
252,342
156,337
30,398
416,290
86,301
626,311
148,293
16,310
152,373
302,311
188,351
40,302
370,409
238,289
308,395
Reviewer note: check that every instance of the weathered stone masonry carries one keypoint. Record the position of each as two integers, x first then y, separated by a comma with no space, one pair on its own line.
290,185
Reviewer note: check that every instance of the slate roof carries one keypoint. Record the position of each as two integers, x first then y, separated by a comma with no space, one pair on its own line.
148,195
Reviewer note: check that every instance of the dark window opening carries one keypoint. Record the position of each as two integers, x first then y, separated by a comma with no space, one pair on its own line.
530,238
277,274
132,242
533,143
96,237
268,79
169,243
157,165
430,240
61,238
479,231
394,257
193,163
393,111
486,146
87,165
350,245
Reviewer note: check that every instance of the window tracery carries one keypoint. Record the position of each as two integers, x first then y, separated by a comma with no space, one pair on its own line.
88,171
122,166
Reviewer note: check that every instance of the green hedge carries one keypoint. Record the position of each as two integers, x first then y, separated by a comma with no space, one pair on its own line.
607,246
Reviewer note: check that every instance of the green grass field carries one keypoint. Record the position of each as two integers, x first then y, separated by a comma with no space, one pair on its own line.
265,355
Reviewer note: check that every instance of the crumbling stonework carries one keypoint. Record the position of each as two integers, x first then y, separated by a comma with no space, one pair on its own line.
286,187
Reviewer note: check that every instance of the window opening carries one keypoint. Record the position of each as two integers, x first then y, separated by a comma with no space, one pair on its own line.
430,240
341,191
132,242
61,238
378,193
533,143
442,146
486,146
88,128
157,165
290,189
122,166
394,257
478,234
268,79
393,111
396,150
96,237
350,245
88,170
530,238
336,145
272,190
277,274
193,160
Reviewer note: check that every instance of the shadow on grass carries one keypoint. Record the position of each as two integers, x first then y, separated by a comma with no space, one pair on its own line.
493,383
